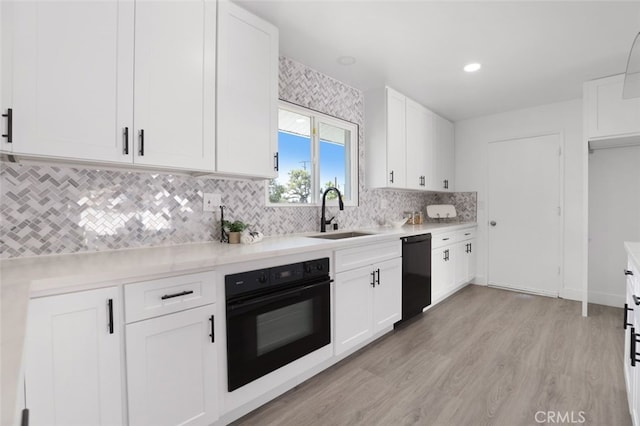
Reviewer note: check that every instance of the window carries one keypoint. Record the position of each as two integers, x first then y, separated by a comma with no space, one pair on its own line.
315,152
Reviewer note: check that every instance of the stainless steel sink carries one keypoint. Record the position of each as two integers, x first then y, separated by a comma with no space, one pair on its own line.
340,235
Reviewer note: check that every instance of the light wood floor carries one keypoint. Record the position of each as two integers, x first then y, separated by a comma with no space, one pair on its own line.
482,357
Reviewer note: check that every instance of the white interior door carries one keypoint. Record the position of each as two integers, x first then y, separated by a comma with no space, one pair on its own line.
524,214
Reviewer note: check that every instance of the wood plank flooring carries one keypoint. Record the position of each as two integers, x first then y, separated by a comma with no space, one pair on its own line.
482,357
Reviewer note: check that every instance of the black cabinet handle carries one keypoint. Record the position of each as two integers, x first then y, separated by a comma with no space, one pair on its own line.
636,300
25,417
213,330
378,279
125,149
171,296
141,148
445,239
632,347
9,134
373,278
626,316
391,180
470,247
445,184
110,310
628,272
446,255
276,162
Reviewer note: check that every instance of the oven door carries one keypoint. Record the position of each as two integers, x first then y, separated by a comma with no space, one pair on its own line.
269,331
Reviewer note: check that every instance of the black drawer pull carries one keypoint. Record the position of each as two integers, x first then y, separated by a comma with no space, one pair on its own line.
445,239
213,332
9,134
636,300
171,296
467,233
628,272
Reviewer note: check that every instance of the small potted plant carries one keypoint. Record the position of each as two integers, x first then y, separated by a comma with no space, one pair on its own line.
235,229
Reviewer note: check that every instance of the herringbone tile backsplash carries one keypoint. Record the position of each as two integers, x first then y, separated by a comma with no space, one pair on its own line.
52,210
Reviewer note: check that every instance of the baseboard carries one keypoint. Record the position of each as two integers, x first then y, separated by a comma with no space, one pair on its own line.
571,294
607,299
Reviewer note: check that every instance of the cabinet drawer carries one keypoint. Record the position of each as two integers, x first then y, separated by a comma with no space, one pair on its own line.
443,239
466,234
366,255
149,299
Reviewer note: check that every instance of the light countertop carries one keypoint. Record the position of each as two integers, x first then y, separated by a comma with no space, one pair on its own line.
25,278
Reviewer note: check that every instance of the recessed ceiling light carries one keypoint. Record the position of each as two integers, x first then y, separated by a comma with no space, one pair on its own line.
346,60
472,67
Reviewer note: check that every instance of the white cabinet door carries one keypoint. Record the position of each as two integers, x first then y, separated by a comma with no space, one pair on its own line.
396,139
172,369
444,155
387,294
608,114
175,83
461,267
442,272
247,127
71,78
419,152
353,316
73,367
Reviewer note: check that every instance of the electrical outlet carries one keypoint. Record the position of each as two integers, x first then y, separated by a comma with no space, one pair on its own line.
211,202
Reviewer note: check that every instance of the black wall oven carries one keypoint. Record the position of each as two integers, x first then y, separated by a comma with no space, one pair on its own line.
275,316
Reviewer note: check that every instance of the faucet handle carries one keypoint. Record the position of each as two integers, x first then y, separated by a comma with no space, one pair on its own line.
328,221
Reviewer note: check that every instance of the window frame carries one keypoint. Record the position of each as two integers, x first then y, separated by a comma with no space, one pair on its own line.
351,157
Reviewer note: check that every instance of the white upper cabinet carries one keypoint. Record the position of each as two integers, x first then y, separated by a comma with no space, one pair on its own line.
175,47
608,115
68,78
72,73
420,135
444,158
396,139
385,133
247,110
407,145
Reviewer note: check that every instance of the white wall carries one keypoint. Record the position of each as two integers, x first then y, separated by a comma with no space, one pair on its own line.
614,217
472,137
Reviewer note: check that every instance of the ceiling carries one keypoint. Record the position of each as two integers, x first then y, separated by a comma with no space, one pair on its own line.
532,53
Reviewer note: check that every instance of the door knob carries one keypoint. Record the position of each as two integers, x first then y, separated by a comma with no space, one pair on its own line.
492,223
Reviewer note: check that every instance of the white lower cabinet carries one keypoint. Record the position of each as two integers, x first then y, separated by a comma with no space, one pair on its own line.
387,294
368,299
73,359
632,341
442,272
172,369
453,262
171,354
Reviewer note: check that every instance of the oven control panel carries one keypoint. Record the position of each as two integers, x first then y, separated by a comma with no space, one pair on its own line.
245,282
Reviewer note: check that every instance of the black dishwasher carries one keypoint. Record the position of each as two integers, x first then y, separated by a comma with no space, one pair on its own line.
416,275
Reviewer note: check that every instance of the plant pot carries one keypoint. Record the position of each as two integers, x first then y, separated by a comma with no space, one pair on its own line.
234,237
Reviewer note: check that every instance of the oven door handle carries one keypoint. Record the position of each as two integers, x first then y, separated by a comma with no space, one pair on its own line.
280,295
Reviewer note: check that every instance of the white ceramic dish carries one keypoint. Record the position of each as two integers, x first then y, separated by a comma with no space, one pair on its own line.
397,223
